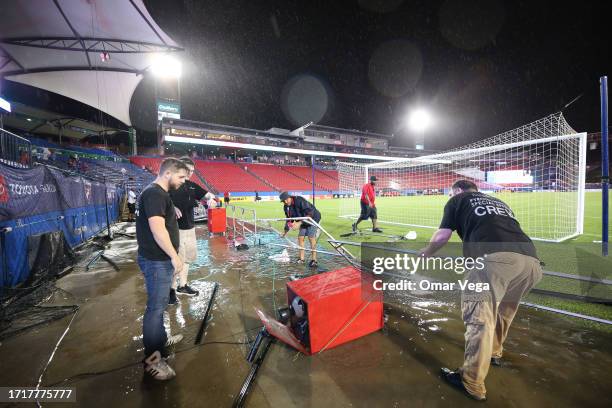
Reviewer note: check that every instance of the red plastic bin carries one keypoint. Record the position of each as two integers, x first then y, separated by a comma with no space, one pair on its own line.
216,220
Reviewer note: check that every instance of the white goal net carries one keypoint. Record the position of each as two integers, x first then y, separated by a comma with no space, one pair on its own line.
537,169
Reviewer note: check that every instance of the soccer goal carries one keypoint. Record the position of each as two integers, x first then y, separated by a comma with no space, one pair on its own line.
537,169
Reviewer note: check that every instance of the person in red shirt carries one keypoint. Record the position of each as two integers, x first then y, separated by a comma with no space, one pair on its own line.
368,206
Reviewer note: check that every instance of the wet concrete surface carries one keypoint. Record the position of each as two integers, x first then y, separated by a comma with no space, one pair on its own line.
550,360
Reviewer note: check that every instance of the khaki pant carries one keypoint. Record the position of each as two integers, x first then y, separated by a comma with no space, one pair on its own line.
188,252
487,315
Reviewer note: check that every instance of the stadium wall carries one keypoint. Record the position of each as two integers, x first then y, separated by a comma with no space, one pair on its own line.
273,195
42,200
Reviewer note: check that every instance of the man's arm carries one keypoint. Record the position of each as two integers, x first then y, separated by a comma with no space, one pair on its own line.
437,241
199,192
162,238
173,197
286,211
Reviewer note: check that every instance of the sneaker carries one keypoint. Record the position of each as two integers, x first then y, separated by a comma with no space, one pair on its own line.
354,226
172,340
496,361
157,367
300,261
454,379
376,230
187,291
172,300
313,263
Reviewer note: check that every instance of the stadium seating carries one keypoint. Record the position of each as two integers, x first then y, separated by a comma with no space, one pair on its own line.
221,176
150,164
279,178
231,177
330,178
322,181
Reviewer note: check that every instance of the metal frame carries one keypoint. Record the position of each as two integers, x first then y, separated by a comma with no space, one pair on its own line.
605,163
534,305
440,158
581,186
86,45
10,145
241,223
91,44
339,247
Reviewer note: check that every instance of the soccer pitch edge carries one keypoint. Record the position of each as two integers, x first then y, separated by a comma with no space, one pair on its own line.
577,256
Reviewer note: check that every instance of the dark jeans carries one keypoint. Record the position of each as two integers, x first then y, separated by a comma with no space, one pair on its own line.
158,278
367,212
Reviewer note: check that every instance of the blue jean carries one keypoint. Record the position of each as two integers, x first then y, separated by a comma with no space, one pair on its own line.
158,279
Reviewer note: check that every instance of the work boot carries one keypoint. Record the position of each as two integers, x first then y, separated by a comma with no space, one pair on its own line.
454,379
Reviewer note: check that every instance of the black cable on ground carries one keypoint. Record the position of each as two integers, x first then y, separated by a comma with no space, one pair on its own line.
112,370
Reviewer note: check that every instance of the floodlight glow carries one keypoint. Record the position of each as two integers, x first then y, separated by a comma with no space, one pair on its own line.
166,66
419,120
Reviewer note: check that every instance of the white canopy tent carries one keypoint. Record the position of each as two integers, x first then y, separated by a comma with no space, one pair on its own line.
93,51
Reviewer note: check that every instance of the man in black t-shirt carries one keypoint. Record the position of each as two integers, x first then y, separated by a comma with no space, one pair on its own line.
488,229
185,199
157,233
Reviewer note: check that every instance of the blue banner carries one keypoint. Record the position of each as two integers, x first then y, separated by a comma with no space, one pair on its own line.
40,200
41,190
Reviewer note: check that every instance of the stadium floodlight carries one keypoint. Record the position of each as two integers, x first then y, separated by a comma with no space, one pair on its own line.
166,66
419,120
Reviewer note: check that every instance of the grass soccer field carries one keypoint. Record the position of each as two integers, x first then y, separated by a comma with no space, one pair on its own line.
578,256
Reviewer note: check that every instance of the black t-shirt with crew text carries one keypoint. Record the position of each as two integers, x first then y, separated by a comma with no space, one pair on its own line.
485,224
155,201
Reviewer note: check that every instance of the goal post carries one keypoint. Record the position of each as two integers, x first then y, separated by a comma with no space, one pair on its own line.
541,179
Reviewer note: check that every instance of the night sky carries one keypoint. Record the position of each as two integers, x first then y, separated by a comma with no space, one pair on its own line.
481,67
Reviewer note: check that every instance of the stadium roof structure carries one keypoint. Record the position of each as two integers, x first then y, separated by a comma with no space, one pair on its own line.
43,122
92,51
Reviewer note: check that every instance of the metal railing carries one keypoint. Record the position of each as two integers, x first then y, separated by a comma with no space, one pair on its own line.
15,151
243,222
337,245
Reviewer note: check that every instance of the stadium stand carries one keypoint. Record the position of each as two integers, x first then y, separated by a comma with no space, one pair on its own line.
281,180
305,173
220,176
227,176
